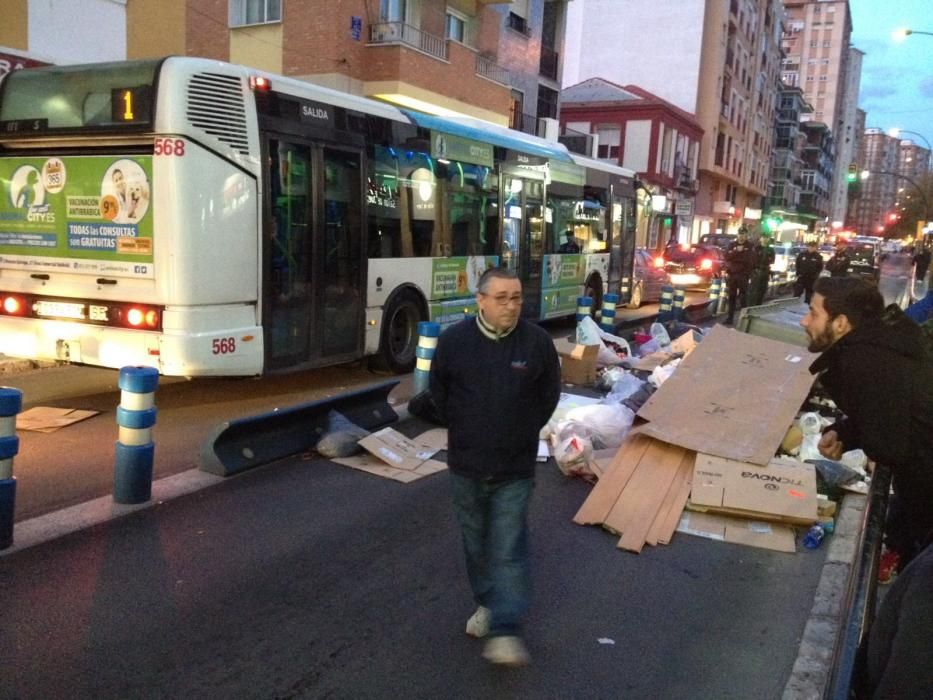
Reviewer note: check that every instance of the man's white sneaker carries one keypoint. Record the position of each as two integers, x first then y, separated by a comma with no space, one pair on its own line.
478,624
506,651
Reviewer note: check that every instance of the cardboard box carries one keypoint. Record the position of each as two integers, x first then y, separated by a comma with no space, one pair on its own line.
784,491
577,362
777,537
733,396
396,450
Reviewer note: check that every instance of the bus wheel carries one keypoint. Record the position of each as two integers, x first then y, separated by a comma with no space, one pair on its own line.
400,333
637,293
594,290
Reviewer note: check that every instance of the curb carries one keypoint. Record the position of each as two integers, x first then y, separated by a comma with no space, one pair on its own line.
811,671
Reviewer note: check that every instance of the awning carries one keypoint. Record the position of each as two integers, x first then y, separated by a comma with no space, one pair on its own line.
479,130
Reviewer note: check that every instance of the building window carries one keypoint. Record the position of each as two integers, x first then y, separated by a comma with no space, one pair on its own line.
609,139
518,23
243,12
456,27
517,110
392,10
720,149
827,44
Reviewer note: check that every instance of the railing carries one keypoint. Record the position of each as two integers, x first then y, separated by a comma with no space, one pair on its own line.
859,603
526,123
549,62
401,33
577,141
488,68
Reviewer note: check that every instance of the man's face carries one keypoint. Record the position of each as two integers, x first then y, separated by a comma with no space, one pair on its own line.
822,331
742,237
118,181
501,304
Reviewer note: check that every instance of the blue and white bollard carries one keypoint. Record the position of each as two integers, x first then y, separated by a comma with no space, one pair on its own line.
11,403
677,308
667,301
584,307
428,331
607,321
136,414
715,288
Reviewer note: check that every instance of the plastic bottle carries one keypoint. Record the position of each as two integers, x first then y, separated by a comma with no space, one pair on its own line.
814,537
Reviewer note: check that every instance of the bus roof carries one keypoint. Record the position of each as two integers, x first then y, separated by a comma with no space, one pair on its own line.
603,165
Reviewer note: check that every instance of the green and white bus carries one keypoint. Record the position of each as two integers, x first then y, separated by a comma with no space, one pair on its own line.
205,218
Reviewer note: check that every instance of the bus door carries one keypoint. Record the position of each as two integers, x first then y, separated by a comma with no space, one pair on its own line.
523,235
313,272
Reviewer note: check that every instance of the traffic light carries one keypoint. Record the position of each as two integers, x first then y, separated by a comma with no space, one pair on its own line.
852,175
772,223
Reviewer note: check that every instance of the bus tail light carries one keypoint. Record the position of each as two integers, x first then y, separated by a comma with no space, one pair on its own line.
14,305
144,317
259,83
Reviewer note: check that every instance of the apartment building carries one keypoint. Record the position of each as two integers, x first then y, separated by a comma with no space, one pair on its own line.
716,60
438,56
820,61
785,182
879,155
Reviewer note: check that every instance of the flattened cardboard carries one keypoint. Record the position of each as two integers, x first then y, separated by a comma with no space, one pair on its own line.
753,533
577,362
373,465
45,419
784,491
733,396
652,360
396,450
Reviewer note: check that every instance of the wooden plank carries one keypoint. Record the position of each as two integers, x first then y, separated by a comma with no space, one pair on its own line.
647,495
654,533
642,481
673,516
604,495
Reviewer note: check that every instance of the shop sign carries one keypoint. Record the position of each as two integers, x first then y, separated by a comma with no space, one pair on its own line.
683,207
449,147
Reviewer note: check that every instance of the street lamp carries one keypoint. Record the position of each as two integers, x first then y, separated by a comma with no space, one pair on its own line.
901,34
896,132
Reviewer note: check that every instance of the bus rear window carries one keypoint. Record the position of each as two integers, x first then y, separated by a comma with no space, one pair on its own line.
98,96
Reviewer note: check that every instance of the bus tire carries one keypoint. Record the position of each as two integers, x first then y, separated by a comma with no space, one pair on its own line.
637,293
399,336
594,289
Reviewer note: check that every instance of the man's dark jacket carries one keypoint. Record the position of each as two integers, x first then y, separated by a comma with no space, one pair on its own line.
881,379
496,395
839,264
740,260
809,265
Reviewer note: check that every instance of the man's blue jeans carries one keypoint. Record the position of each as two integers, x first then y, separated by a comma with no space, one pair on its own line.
493,519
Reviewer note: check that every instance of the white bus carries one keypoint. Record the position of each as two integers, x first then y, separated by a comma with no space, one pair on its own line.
210,219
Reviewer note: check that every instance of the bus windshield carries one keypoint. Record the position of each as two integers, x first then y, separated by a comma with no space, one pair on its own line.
75,98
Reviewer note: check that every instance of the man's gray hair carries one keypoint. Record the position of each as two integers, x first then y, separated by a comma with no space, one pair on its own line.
501,273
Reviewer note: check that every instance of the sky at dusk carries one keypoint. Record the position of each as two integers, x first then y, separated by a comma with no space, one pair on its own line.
897,78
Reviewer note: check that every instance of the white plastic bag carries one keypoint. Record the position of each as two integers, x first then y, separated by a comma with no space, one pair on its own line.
660,374
623,387
608,423
573,449
589,333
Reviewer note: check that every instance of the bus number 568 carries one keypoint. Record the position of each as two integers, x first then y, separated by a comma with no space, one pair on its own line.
169,147
223,346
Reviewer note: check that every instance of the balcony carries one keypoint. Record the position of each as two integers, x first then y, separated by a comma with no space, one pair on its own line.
489,69
401,33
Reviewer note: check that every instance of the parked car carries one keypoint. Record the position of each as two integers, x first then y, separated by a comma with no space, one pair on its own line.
650,277
866,258
720,240
693,265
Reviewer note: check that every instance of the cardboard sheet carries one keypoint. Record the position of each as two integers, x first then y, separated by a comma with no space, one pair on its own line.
733,396
396,450
373,465
44,419
753,533
783,491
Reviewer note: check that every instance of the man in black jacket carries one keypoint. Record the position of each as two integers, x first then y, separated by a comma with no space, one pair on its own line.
496,381
875,369
809,265
740,260
838,265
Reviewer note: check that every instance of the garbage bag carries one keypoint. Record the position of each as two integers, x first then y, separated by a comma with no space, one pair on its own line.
422,406
623,387
573,449
612,348
341,436
608,423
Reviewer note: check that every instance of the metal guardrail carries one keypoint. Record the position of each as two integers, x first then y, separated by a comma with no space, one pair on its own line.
858,606
401,33
493,71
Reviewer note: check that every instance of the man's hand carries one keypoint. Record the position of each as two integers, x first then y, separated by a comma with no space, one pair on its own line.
830,446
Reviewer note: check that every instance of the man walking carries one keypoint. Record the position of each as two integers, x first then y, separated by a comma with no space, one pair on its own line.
809,265
740,260
875,369
496,380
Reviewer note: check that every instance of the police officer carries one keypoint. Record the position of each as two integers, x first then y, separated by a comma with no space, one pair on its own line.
761,274
809,265
838,265
740,260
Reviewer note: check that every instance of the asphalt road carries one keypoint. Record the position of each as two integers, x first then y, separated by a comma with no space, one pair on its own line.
307,579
